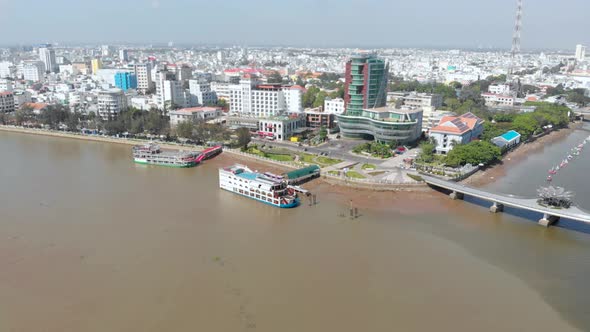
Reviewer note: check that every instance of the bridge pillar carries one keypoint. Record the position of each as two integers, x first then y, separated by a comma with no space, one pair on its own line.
456,195
548,220
496,208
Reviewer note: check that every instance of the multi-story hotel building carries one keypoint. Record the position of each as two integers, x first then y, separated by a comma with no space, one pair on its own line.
143,73
263,101
47,56
365,96
365,83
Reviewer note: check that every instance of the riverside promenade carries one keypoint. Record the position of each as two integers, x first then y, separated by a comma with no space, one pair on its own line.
550,215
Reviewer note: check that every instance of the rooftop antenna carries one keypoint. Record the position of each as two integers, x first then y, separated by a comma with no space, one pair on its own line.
516,37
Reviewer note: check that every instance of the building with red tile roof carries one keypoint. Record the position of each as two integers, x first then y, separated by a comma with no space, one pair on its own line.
36,107
453,130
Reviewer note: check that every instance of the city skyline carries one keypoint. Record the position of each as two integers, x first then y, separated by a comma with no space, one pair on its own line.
306,23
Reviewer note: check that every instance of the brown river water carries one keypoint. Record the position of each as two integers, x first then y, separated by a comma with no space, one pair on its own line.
89,241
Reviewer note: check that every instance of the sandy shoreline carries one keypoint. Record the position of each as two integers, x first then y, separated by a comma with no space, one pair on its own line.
485,177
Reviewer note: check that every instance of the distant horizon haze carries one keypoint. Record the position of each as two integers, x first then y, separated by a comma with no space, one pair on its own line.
304,23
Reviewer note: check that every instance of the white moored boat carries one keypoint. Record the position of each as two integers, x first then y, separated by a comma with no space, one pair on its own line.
267,188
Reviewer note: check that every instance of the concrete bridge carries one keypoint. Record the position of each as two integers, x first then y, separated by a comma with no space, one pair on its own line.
498,201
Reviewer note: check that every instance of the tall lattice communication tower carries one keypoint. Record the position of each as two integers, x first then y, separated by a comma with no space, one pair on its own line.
516,36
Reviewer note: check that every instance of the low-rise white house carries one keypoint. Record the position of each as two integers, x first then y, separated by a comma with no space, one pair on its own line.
194,114
493,99
499,89
334,106
453,130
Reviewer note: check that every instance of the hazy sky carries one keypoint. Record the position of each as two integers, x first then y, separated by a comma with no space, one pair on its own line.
353,23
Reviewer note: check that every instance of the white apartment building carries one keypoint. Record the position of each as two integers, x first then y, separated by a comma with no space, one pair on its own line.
194,114
74,98
415,99
123,55
47,56
66,70
580,52
200,93
293,98
240,97
334,106
169,91
142,102
492,99
143,72
6,102
6,85
33,71
111,103
105,50
221,89
499,89
419,100
7,69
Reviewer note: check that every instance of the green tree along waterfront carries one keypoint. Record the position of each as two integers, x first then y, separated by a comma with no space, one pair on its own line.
474,153
243,138
483,151
376,149
185,129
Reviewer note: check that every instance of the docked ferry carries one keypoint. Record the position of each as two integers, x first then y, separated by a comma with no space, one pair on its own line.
267,188
151,154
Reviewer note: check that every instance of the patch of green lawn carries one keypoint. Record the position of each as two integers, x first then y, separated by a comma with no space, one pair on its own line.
279,157
354,175
327,161
307,158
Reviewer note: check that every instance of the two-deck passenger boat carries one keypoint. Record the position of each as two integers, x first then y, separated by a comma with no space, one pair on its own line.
151,154
267,188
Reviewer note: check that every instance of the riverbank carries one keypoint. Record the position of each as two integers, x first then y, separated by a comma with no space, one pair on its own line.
492,174
94,138
239,157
